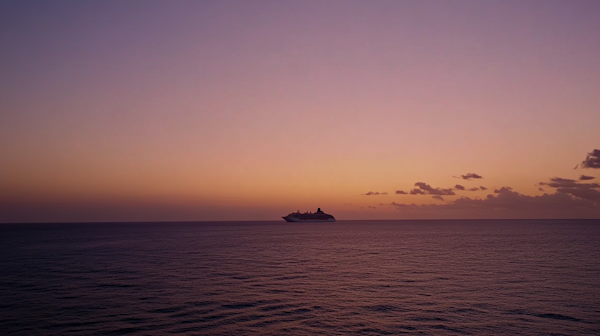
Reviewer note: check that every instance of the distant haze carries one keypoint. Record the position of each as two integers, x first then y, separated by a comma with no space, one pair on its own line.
235,110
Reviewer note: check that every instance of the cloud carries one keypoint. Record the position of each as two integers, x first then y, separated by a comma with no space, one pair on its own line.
585,178
502,190
429,190
470,176
558,182
561,180
592,160
437,197
459,187
540,189
401,192
473,189
371,207
417,192
482,188
581,190
375,193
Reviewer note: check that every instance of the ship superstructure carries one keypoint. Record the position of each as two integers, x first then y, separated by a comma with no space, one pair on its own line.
318,216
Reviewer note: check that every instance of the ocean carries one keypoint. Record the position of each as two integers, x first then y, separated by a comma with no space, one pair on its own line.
492,277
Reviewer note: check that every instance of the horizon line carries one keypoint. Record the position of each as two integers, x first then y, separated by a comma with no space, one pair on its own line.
279,221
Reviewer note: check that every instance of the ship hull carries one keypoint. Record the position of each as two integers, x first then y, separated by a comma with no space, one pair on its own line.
304,220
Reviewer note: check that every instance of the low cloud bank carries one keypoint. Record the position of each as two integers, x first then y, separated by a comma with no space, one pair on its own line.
508,199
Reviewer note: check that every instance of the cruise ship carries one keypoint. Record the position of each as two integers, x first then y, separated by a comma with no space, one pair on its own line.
318,216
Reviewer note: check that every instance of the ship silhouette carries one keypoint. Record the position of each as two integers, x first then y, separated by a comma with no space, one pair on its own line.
318,216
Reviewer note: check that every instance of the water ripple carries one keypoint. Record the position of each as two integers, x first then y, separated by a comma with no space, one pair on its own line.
359,278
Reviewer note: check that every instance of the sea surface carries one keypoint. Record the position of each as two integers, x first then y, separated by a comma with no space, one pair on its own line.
496,277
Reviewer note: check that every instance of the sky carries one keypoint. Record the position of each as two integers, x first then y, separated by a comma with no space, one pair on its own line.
249,110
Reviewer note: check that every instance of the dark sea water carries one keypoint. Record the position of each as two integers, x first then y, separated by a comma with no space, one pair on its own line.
274,278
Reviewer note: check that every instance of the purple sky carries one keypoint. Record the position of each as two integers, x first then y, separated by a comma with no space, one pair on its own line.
229,110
